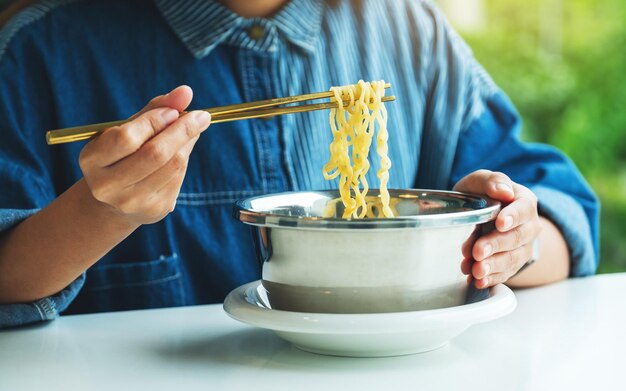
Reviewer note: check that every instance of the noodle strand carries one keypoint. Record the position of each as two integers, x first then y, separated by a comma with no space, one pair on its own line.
353,128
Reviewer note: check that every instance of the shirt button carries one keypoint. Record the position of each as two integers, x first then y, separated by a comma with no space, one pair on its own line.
256,32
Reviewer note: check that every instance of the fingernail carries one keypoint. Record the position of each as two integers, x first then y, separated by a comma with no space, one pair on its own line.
169,115
487,250
508,222
201,118
487,268
485,282
504,187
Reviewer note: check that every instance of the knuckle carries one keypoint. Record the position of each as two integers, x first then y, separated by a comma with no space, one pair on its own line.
123,136
528,195
499,177
498,243
483,172
512,257
518,237
533,198
538,227
526,213
157,212
191,129
496,279
153,120
502,278
98,191
156,153
526,253
179,161
85,160
127,206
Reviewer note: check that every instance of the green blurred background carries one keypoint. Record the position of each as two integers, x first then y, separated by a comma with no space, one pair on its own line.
563,63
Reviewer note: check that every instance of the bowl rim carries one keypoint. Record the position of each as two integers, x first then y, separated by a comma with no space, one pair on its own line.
488,211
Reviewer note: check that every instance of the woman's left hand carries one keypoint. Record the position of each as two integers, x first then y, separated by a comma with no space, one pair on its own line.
496,256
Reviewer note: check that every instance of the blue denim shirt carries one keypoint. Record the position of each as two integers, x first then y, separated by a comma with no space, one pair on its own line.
65,63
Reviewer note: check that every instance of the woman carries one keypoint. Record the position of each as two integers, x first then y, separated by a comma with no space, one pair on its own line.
134,219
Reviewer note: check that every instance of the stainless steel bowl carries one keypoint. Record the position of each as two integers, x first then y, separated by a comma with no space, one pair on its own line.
315,261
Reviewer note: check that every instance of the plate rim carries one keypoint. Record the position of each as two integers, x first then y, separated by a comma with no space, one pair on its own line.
501,302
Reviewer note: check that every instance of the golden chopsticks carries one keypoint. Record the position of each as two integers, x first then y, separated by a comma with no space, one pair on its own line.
257,109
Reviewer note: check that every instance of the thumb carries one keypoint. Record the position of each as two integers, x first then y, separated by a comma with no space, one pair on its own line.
178,99
493,184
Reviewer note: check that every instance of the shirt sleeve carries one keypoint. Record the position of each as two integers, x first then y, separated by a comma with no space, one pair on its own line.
471,124
454,89
48,308
25,163
492,141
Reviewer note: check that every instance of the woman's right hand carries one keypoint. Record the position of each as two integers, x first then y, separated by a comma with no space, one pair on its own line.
136,169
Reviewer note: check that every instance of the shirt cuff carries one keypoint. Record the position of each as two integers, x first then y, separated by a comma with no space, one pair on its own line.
569,216
11,217
48,308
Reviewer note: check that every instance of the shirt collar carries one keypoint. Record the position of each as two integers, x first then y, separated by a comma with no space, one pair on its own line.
203,24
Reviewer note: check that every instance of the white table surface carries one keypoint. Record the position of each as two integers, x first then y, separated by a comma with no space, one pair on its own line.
567,336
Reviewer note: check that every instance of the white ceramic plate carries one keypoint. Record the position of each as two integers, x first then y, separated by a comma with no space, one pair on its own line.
366,335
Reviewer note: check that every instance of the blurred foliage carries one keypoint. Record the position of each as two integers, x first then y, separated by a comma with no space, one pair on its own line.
563,64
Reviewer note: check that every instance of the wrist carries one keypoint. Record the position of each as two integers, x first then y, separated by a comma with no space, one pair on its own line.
100,212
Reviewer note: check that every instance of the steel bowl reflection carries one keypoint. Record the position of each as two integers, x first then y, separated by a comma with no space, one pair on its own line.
315,261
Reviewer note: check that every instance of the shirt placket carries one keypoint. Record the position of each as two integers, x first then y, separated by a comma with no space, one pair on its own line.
259,59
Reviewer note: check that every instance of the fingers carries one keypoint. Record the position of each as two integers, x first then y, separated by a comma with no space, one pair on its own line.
493,184
500,267
178,99
175,169
466,265
137,168
498,255
120,141
171,191
154,197
500,187
468,244
497,242
488,281
505,262
161,149
521,211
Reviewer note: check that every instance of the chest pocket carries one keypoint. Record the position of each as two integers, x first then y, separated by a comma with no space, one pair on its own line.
128,286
